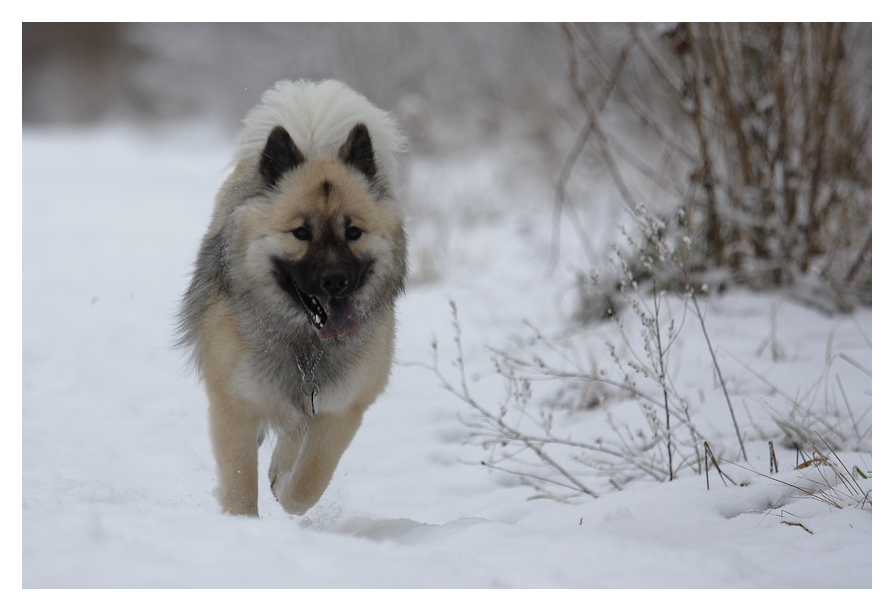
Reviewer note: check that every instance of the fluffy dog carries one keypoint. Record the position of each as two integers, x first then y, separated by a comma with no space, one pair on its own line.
290,312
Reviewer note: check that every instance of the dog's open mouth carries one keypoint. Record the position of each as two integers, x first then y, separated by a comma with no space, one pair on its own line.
330,316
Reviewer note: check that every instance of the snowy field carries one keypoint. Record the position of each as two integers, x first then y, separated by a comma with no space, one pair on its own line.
117,470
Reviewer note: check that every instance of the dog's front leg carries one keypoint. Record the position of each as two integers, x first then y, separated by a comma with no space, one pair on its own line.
285,456
234,440
327,438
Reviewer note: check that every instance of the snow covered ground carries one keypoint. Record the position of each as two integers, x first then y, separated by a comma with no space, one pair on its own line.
117,471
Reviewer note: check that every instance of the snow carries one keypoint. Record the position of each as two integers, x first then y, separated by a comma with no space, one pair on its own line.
116,465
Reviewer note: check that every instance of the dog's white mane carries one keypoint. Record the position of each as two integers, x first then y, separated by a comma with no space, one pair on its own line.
319,117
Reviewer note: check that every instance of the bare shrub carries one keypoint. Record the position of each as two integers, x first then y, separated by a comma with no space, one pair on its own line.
760,134
650,432
520,436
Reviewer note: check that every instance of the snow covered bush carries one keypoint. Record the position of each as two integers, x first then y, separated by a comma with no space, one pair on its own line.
661,440
758,134
584,417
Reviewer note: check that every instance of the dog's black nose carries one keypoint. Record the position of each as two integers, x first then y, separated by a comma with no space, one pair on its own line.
333,281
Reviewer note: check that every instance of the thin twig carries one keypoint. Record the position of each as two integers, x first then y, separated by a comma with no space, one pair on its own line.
504,427
732,412
723,476
663,374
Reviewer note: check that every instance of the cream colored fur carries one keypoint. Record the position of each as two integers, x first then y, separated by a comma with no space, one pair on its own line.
246,332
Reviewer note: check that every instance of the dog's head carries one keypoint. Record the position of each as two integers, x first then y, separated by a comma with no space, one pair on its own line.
327,229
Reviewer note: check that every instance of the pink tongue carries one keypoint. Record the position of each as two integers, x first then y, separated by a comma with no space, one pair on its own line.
341,318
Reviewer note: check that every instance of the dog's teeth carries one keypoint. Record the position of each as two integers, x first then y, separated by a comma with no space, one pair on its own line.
318,320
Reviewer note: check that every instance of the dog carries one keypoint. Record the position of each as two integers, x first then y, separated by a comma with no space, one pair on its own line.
290,314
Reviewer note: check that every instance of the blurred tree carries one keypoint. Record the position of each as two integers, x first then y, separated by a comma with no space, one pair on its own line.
760,133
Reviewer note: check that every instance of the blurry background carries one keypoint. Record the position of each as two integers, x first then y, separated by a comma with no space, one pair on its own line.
751,142
451,84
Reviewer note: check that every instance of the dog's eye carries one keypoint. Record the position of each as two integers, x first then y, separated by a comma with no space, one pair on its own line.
302,233
353,233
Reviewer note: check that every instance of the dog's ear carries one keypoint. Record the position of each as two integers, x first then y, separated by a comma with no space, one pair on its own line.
357,151
280,155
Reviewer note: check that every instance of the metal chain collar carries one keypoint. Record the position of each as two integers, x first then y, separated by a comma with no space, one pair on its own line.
309,385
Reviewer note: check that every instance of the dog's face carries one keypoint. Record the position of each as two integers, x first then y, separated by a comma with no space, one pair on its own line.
322,239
